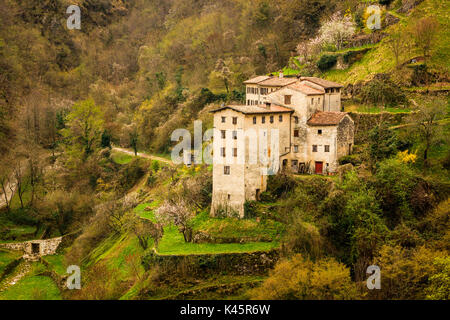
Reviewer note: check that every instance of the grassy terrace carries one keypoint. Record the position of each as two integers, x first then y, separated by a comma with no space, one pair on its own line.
11,230
56,263
7,257
121,158
32,288
173,241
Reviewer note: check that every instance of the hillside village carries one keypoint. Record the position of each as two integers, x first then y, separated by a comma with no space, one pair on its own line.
353,122
312,132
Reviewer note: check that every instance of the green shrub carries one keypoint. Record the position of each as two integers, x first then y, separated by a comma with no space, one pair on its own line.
302,279
280,184
131,173
326,62
155,165
303,237
382,92
354,159
151,180
250,209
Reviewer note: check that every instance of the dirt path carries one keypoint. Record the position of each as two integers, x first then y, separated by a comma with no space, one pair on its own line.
143,155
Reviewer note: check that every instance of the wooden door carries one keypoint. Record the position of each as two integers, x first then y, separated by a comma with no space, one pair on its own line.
319,167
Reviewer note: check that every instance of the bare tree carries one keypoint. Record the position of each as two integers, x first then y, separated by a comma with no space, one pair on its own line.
143,229
396,43
5,182
426,126
18,174
424,33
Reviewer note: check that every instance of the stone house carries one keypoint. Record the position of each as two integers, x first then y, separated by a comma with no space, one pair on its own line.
293,124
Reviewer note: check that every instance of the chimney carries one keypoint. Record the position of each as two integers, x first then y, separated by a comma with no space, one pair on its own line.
280,74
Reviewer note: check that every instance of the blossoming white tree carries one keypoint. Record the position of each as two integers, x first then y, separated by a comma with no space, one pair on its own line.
337,30
177,212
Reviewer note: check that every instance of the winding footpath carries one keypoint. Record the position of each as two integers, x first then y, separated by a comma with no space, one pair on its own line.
143,155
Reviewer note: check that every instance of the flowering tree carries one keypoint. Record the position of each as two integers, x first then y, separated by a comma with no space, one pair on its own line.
177,212
337,30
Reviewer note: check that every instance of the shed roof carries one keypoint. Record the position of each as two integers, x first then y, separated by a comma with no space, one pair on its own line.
303,88
277,82
326,118
256,80
322,82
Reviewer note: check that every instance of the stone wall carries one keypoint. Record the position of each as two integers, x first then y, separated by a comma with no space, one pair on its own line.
248,263
34,248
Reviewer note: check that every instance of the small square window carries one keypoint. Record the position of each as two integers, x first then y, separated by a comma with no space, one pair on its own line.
295,149
327,148
271,119
296,134
223,119
234,120
319,131
235,135
226,170
314,148
223,133
296,119
263,119
280,118
287,99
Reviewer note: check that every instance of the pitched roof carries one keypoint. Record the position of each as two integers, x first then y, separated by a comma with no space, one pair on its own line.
256,80
303,88
326,118
322,82
255,109
277,82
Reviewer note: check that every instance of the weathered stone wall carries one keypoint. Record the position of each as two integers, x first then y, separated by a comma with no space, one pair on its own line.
249,263
46,247
202,237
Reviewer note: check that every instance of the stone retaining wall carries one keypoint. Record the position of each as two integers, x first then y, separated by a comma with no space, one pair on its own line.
248,263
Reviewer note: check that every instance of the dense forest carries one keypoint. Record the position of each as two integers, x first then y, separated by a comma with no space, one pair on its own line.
76,107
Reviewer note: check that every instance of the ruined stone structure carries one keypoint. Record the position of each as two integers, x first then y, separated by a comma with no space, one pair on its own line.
292,124
35,248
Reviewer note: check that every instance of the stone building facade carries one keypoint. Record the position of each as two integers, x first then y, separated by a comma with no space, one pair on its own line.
292,124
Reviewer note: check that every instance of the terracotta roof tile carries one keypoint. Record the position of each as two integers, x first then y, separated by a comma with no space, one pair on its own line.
256,80
322,82
305,89
326,118
278,82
